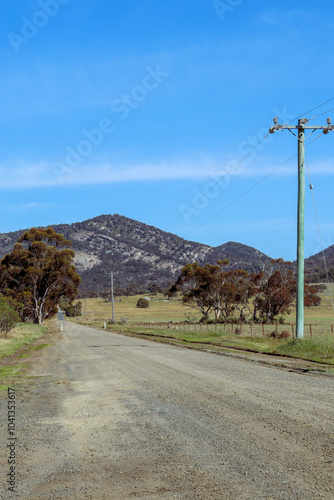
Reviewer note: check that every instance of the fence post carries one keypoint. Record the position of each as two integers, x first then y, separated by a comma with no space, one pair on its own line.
311,330
232,328
251,329
332,328
293,334
263,329
240,329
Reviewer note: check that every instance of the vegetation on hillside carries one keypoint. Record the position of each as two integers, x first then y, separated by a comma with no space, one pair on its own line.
140,254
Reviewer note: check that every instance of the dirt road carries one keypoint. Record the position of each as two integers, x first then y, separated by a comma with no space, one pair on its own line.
113,417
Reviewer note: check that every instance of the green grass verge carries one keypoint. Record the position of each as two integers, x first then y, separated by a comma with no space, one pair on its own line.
10,375
320,349
20,336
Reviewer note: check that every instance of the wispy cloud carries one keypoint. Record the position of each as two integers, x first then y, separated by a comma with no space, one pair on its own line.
42,174
24,208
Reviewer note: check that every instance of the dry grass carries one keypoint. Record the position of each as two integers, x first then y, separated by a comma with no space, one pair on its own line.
160,310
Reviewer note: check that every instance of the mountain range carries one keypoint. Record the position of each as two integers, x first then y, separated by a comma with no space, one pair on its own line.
141,254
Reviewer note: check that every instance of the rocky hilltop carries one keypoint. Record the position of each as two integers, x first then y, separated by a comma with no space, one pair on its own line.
139,253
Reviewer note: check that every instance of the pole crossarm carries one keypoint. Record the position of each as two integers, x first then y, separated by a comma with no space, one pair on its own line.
301,127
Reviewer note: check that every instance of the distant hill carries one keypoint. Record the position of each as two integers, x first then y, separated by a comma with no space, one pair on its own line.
315,267
139,253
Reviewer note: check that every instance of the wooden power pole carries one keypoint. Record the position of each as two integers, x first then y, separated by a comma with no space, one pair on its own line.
301,127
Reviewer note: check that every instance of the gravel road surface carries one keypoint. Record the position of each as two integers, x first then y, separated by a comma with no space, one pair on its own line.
114,417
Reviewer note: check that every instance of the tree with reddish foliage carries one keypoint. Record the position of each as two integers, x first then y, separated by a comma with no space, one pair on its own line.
211,288
244,289
38,273
274,289
311,297
268,293
195,282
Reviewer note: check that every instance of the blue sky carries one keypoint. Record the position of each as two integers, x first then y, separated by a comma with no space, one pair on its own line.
140,107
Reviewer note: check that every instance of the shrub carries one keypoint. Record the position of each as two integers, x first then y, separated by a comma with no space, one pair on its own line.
8,316
72,310
284,335
237,331
142,303
112,322
124,321
274,334
232,319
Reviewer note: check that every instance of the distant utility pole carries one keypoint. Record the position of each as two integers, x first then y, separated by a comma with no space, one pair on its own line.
301,127
112,290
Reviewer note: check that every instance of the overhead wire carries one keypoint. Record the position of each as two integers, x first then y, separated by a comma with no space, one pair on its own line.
307,112
237,164
216,183
321,114
319,232
248,190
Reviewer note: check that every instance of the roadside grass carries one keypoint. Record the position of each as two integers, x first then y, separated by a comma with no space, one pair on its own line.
257,344
320,349
9,371
317,344
21,335
10,375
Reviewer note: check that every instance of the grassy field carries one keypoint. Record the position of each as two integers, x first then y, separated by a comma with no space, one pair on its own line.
162,310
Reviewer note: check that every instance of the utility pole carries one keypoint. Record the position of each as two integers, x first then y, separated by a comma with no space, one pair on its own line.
301,127
112,290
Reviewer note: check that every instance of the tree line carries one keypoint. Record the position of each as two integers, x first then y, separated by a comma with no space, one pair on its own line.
240,295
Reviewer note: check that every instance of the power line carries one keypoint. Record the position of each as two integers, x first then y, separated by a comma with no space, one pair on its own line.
237,164
248,190
325,113
313,109
241,196
216,183
319,232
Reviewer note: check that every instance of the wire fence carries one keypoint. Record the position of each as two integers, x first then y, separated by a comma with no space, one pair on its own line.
247,330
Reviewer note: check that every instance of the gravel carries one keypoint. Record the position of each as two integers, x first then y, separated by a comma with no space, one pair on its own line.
106,416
